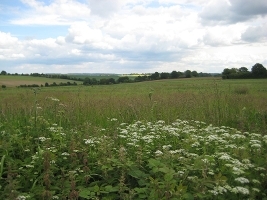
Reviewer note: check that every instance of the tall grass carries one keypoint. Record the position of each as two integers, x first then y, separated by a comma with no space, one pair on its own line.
212,101
173,139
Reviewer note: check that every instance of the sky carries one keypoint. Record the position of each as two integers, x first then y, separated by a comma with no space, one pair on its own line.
131,36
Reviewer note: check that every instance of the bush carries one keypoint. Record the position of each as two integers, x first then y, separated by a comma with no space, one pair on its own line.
3,86
241,90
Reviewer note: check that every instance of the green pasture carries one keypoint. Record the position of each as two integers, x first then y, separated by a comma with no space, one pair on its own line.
13,81
98,77
195,138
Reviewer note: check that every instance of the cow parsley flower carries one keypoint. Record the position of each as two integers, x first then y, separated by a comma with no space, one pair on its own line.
240,190
158,153
242,180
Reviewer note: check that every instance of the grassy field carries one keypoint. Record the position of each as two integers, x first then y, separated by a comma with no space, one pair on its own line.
13,81
201,138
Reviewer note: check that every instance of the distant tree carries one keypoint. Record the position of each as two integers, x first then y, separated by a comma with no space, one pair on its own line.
3,72
188,74
123,79
155,76
46,84
243,69
103,81
94,81
111,81
194,74
3,86
87,81
259,71
229,73
164,75
174,74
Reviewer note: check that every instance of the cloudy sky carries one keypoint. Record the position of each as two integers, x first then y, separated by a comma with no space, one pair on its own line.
131,36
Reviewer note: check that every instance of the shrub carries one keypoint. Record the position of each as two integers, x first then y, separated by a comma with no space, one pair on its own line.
241,90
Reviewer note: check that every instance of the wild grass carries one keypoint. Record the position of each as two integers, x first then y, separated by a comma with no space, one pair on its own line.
173,139
17,80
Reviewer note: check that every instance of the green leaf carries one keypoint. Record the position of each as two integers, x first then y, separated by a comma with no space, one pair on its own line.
188,196
168,177
110,188
96,188
136,173
85,193
209,185
140,190
2,165
181,188
153,163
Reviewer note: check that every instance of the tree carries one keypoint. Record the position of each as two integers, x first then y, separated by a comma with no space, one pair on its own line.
174,74
243,69
111,81
229,73
259,71
3,72
194,74
188,74
164,75
87,81
123,79
155,76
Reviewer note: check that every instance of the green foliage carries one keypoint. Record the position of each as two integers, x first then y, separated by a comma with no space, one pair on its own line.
241,90
257,71
188,74
3,72
3,86
102,143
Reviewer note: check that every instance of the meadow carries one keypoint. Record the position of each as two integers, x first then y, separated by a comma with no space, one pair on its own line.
14,81
197,138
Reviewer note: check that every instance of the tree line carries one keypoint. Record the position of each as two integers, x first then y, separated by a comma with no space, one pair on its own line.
106,81
257,71
153,76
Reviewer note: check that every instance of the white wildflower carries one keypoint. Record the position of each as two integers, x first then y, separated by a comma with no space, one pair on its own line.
21,197
113,119
240,190
166,147
237,171
242,180
158,153
225,156
257,146
256,181
256,190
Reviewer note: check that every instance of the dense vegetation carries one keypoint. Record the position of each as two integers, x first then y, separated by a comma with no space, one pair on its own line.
257,71
108,78
170,139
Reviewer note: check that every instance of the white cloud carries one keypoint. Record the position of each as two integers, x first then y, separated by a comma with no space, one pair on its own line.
105,8
232,11
138,36
58,12
6,40
81,33
255,33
